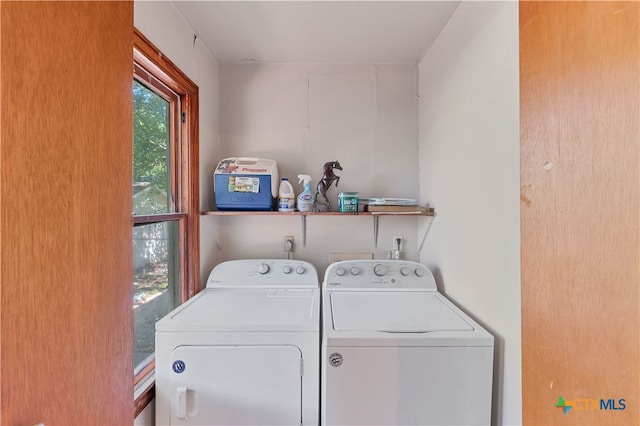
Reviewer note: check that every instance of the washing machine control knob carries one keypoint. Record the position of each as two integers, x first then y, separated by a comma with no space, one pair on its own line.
354,270
420,272
263,268
286,269
405,270
300,270
340,271
379,270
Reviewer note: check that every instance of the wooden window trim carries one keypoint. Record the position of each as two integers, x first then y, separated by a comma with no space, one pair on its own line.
150,58
155,218
144,399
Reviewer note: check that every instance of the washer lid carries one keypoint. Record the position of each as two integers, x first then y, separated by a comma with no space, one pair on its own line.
246,310
394,312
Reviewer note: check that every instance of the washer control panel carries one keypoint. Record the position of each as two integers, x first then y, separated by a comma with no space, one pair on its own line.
382,274
256,273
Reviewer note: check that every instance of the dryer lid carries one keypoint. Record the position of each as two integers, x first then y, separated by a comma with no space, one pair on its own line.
246,310
394,312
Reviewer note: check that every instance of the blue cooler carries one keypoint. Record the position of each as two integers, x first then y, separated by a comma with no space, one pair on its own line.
246,184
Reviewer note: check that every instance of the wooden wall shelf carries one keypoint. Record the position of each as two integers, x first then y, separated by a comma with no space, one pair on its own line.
273,213
303,215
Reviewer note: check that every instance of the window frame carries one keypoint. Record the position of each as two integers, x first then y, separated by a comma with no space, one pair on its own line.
154,84
150,64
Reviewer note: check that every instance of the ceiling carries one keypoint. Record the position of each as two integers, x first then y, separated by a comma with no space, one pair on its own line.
365,32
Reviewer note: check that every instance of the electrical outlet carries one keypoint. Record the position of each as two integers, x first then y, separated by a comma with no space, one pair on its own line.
398,242
288,243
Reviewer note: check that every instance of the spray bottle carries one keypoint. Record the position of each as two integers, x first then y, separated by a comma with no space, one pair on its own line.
306,198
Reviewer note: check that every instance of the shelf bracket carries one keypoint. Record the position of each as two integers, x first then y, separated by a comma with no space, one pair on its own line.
376,220
304,230
426,232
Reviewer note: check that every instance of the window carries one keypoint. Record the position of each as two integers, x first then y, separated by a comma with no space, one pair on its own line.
165,197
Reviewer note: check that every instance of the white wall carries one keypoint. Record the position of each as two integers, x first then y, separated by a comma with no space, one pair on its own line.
161,23
302,116
165,27
469,171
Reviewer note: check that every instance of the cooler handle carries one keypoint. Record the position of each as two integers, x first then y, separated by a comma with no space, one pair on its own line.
247,160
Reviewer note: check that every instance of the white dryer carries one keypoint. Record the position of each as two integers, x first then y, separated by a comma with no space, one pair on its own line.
244,351
397,352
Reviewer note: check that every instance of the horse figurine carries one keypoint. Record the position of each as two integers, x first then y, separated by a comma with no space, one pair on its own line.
328,177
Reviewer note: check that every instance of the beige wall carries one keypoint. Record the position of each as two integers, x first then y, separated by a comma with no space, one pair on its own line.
305,115
469,170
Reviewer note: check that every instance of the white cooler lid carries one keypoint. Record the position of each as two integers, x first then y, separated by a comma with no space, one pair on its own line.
246,310
394,312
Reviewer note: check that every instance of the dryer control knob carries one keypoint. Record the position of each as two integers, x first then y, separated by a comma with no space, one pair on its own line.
354,270
379,270
420,272
263,268
405,270
340,271
300,270
286,269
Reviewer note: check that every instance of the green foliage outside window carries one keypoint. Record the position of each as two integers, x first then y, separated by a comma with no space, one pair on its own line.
150,151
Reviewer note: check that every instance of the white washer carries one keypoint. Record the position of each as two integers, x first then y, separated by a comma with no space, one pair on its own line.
244,351
397,352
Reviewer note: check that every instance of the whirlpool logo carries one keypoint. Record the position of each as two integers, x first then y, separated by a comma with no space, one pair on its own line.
584,404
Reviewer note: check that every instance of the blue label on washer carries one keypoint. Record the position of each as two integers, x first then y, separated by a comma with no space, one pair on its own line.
178,366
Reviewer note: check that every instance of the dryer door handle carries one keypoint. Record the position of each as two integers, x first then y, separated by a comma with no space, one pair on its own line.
181,402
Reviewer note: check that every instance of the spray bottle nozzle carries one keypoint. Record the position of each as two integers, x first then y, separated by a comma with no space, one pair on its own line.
305,179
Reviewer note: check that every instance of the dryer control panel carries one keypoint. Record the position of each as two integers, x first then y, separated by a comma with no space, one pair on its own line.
263,273
378,274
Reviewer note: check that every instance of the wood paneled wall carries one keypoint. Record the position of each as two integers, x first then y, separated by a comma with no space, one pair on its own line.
65,213
580,211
